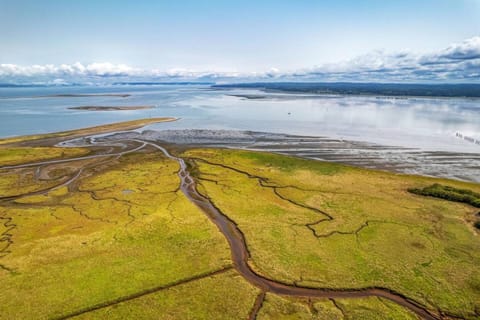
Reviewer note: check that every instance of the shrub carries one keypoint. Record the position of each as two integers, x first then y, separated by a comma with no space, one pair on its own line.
449,193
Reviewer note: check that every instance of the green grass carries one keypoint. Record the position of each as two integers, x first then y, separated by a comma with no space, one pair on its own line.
225,296
124,229
449,193
380,234
25,155
281,308
290,164
99,243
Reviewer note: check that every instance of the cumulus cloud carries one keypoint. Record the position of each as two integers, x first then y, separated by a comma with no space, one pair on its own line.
102,72
457,62
110,70
468,49
76,69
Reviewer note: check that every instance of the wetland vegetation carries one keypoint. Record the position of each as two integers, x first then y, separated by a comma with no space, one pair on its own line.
128,228
450,193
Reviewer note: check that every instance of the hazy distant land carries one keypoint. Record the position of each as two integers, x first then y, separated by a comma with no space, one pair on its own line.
346,88
120,95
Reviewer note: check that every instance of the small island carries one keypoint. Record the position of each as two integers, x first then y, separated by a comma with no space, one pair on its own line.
110,108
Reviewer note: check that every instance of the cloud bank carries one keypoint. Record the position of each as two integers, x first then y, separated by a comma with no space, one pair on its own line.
460,62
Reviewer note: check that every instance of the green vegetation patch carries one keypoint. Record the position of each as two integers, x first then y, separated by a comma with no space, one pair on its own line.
449,193
282,308
122,228
13,156
222,296
290,164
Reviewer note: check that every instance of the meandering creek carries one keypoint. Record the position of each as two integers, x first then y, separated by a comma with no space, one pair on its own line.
239,250
241,256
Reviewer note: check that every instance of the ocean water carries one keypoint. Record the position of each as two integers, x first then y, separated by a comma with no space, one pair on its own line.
435,124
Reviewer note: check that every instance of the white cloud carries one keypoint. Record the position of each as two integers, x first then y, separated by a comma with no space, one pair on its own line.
468,49
458,62
109,69
76,69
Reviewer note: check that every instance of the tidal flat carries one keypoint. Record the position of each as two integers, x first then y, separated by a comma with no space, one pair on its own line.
98,224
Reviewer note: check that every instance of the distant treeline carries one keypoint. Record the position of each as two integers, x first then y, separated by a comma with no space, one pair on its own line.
380,89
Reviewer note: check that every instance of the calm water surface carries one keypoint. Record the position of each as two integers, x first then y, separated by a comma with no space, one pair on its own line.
426,123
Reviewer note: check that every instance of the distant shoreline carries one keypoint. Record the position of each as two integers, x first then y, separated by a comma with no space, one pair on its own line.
270,94
393,90
110,108
120,95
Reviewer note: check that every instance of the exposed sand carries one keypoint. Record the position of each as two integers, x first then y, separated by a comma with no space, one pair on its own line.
50,139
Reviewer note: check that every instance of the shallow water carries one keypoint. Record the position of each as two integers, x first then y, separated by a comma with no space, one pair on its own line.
426,123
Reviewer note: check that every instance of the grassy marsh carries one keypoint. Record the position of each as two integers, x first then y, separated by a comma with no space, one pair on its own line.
221,296
101,243
281,308
326,225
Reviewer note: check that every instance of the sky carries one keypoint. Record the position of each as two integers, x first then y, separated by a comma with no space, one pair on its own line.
313,40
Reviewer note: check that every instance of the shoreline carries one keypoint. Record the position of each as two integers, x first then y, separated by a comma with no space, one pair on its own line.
411,161
285,95
451,165
56,137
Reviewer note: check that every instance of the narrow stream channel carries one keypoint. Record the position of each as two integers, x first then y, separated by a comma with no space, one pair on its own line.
236,240
240,253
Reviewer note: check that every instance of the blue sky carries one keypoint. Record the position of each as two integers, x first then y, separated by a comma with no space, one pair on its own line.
228,38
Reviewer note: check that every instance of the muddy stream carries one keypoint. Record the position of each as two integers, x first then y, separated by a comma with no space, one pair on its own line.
240,254
238,246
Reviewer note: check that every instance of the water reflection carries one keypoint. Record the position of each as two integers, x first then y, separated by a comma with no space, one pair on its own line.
415,122
425,123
